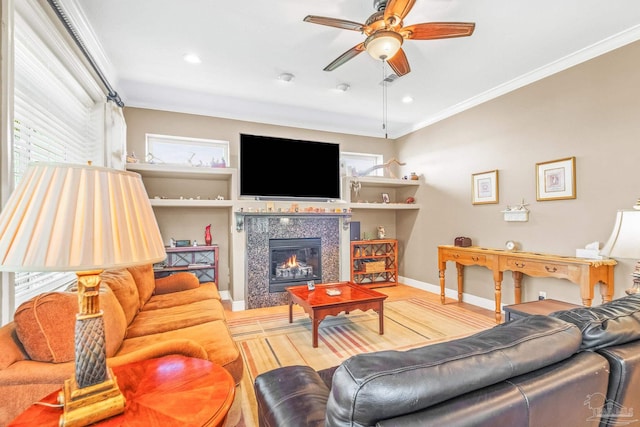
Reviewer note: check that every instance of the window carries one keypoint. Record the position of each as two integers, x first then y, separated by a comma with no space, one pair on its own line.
356,164
187,151
56,113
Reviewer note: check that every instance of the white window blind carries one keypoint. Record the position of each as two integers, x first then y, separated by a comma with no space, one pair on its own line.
55,113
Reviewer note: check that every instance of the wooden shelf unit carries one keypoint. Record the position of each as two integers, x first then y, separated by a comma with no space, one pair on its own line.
383,254
200,260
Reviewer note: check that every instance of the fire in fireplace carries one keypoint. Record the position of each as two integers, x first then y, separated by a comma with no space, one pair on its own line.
294,262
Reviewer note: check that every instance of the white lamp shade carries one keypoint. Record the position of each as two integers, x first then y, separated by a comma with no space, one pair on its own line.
383,45
625,237
64,217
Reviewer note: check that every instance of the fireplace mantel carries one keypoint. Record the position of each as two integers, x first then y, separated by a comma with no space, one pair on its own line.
346,216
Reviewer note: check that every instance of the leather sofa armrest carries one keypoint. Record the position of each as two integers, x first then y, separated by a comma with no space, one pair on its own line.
183,347
292,396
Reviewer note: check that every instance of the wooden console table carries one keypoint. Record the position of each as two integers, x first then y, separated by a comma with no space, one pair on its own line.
584,272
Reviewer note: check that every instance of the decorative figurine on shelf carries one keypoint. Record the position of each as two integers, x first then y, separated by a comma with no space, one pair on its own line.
207,235
131,158
381,232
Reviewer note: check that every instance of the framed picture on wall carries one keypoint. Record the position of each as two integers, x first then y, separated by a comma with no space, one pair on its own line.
484,187
556,179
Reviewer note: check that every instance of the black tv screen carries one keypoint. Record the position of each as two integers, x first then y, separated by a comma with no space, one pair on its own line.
279,168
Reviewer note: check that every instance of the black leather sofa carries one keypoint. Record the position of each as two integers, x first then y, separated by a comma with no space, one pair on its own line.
577,367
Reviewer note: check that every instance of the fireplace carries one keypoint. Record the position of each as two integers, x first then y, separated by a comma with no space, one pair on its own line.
294,262
262,229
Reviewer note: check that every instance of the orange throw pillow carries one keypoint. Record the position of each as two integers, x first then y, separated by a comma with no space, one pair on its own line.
181,281
124,287
145,281
45,325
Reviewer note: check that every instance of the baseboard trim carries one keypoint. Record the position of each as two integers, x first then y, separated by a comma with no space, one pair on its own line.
235,305
435,289
449,293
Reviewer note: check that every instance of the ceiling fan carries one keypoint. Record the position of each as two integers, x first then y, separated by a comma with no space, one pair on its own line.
385,33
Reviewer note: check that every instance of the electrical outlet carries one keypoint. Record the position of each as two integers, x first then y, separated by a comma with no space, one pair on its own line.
542,295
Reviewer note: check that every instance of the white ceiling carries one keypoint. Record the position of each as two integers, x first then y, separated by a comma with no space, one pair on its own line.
245,45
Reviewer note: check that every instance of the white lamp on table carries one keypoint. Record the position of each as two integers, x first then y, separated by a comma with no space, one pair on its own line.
82,218
625,242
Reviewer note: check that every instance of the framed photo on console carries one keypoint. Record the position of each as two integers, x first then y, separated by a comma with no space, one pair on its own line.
484,187
556,179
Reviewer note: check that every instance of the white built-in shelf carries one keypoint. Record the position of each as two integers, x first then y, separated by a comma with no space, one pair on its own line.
386,206
181,172
192,203
378,181
372,186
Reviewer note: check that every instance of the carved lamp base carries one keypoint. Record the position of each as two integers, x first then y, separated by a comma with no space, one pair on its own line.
92,394
84,406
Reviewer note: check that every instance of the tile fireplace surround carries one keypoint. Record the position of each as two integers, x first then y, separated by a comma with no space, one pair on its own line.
259,229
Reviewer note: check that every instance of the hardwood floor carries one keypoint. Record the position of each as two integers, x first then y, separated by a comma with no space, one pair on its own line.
398,292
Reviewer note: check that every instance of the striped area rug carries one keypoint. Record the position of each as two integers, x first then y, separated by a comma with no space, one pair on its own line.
270,341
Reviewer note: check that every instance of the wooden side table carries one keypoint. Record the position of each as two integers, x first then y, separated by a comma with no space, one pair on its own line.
544,307
171,390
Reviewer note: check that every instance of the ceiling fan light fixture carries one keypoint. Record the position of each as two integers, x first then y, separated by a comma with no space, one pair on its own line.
383,45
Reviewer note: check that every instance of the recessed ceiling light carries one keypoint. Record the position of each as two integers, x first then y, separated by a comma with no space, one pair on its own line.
192,58
286,77
343,87
407,99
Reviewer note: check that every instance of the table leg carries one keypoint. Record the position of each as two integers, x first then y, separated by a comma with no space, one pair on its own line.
606,289
586,293
315,323
381,319
497,277
517,286
441,274
290,310
460,269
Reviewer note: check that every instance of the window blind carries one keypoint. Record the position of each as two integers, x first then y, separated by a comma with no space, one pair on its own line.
56,118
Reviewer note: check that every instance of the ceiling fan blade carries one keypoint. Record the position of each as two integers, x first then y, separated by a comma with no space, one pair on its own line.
399,63
437,30
396,10
350,54
334,22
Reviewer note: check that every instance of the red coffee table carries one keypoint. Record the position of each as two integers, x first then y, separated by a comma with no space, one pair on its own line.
318,304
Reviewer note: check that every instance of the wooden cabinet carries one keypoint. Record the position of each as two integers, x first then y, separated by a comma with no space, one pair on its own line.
200,260
374,263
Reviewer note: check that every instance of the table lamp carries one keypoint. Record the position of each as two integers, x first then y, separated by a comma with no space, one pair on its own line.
625,242
82,218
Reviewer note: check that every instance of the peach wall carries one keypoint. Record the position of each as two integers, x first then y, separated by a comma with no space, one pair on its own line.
589,111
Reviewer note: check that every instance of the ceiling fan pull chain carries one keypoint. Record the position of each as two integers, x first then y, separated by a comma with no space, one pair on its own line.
384,99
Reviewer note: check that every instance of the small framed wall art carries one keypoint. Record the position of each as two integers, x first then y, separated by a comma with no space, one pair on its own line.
484,187
556,179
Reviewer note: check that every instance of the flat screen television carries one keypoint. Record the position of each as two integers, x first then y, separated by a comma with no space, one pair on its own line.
280,168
